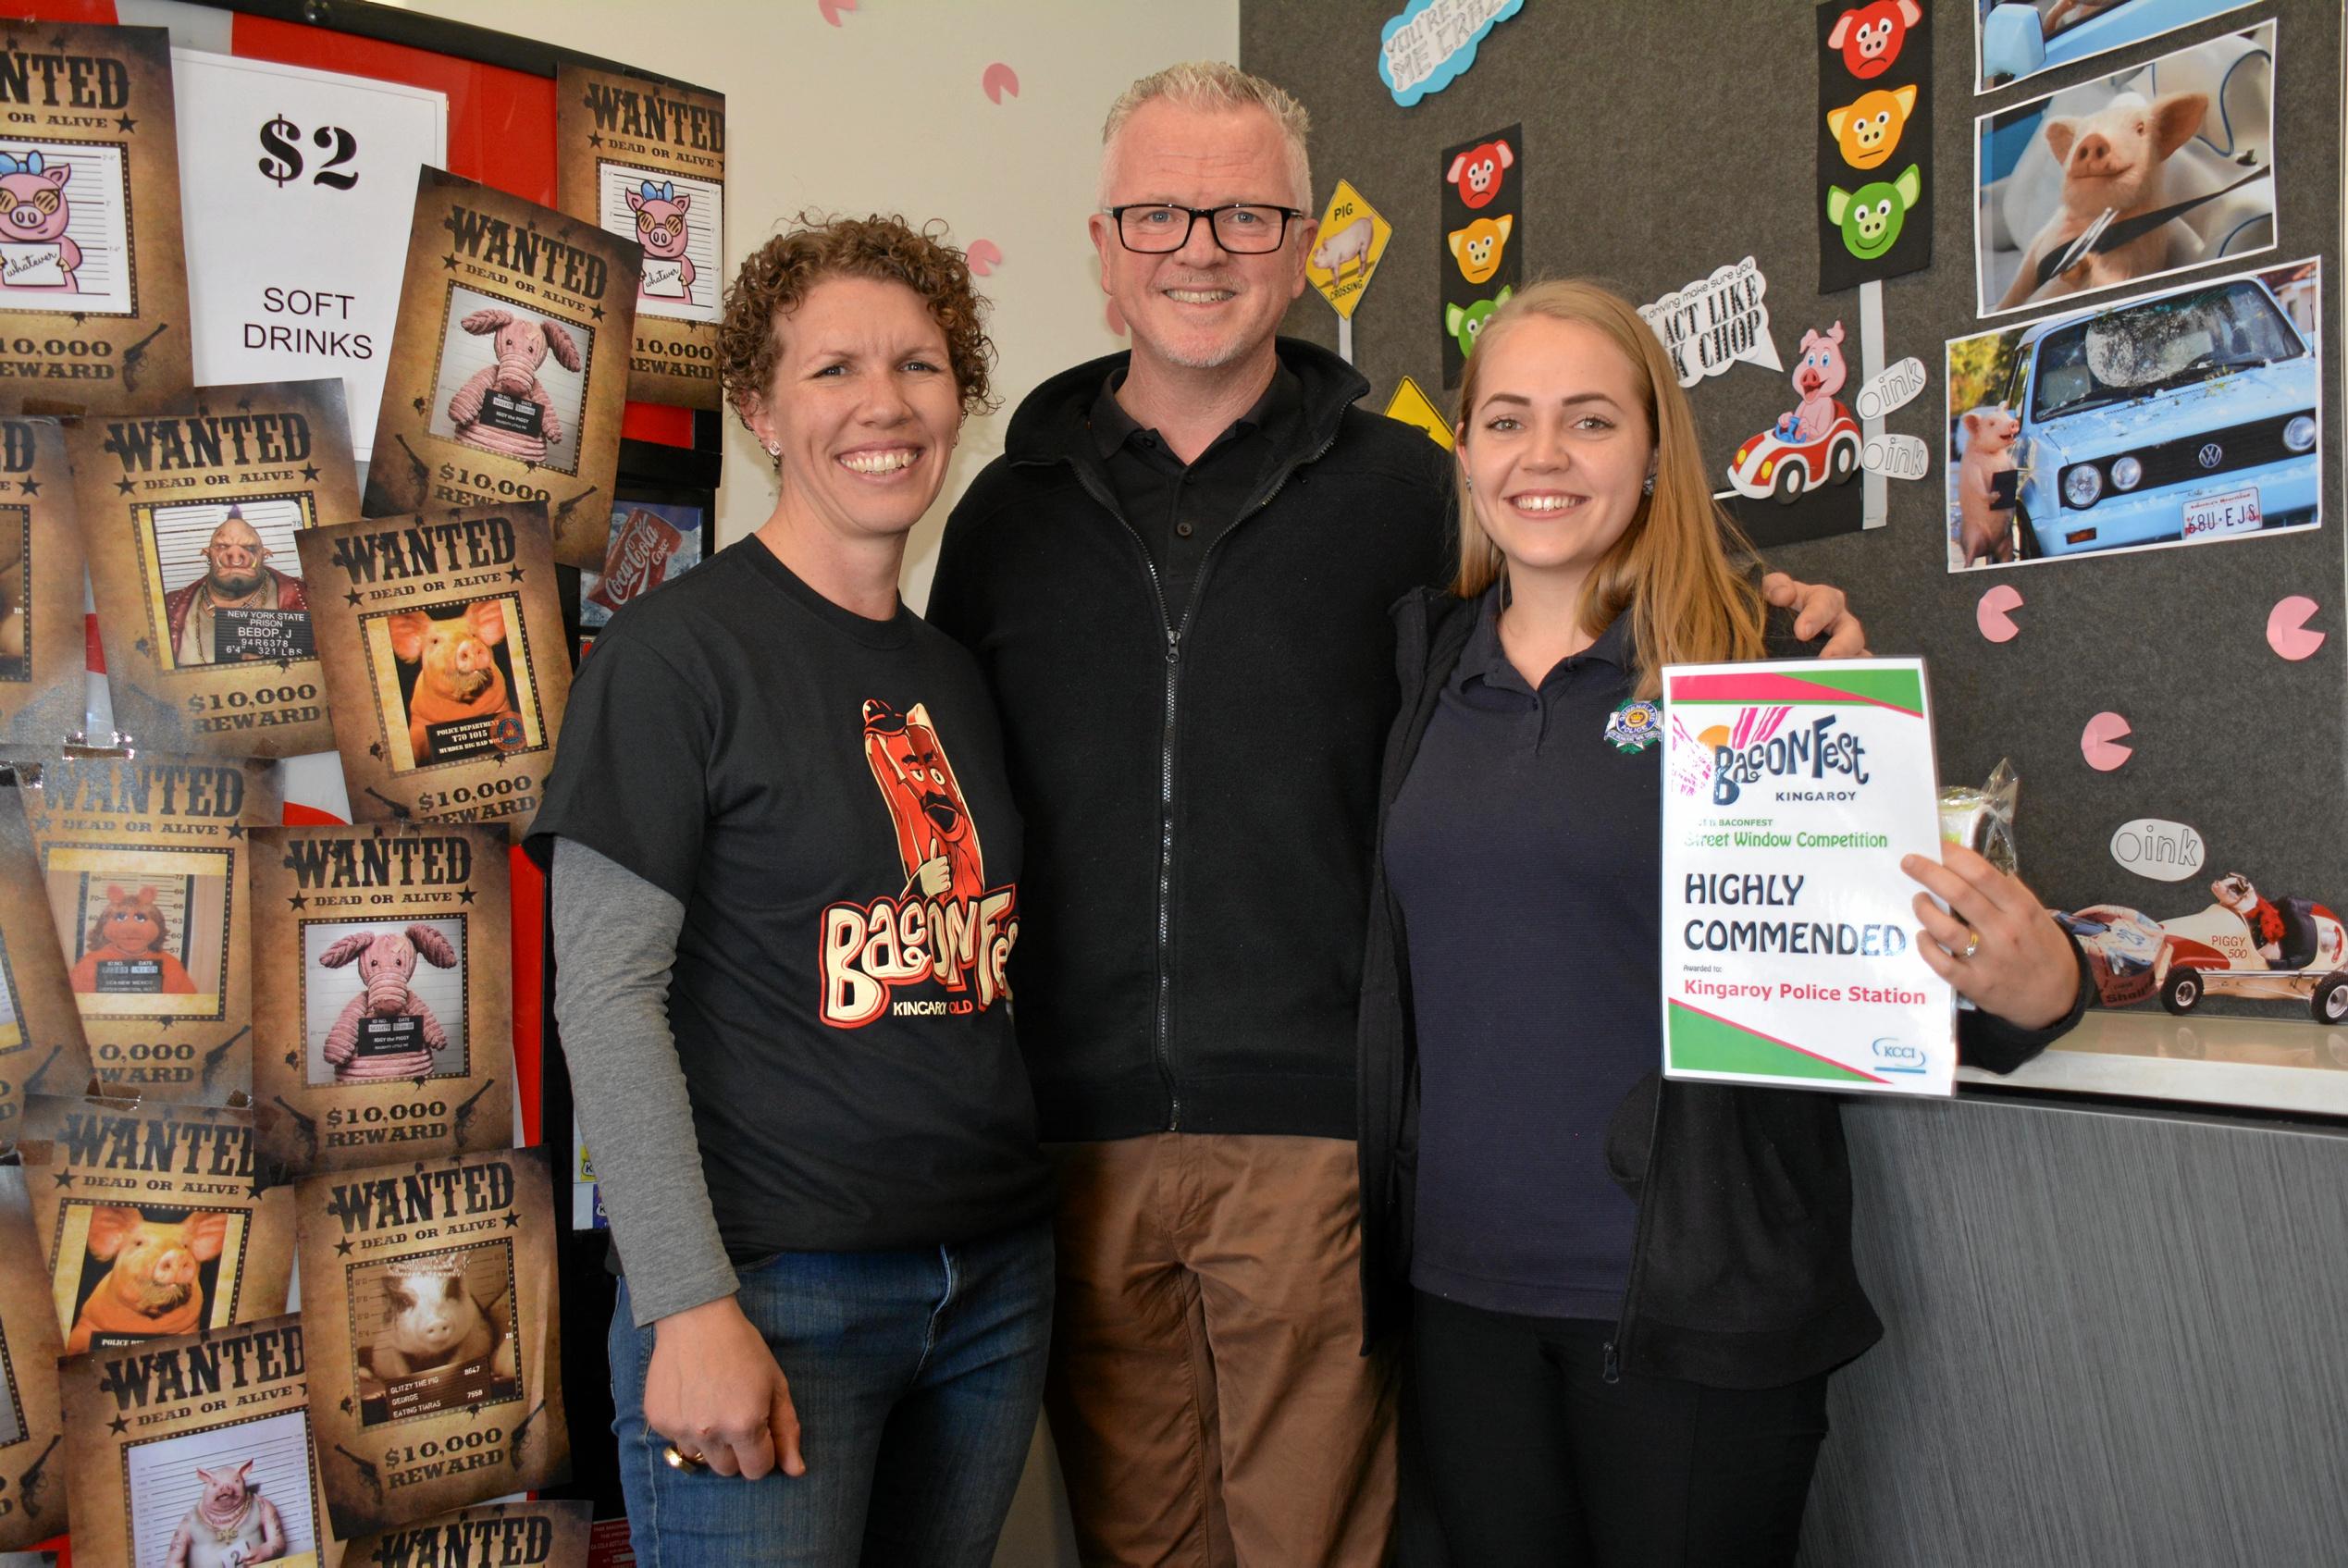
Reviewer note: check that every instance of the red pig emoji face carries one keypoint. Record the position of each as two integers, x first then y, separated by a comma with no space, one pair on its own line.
1869,37
1477,172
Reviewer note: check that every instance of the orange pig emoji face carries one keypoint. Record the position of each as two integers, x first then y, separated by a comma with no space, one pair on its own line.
1478,247
1868,130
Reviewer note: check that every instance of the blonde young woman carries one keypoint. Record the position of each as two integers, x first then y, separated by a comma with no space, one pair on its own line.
1623,1296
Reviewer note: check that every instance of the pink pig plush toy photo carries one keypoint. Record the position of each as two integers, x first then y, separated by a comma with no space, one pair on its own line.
503,407
374,1040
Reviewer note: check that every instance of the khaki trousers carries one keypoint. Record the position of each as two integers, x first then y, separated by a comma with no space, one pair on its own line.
1207,1393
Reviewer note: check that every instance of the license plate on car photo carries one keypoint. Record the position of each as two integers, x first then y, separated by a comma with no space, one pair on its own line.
2236,511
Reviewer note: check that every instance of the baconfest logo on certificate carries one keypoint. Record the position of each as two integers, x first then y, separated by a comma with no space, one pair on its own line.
1789,958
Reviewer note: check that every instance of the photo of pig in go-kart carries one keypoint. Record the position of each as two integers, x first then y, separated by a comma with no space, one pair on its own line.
2242,944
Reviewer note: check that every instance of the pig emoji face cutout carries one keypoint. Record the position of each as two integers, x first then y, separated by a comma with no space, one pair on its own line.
659,228
1871,216
157,1284
1477,248
35,252
1870,36
1868,130
1466,322
935,838
1478,172
457,676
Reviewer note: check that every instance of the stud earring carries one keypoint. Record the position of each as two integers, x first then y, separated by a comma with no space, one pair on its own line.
775,451
1648,486
1468,479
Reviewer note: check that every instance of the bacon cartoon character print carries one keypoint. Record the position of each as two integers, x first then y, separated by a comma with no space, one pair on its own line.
1870,36
1478,172
943,927
35,250
661,230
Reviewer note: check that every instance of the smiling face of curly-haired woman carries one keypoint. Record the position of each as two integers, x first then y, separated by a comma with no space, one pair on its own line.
852,349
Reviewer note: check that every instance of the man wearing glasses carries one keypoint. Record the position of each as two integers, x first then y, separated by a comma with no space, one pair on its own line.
1177,578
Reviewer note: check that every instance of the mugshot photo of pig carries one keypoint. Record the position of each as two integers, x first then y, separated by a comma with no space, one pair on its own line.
661,230
431,1320
373,1039
505,407
35,250
457,674
155,1285
128,948
231,1524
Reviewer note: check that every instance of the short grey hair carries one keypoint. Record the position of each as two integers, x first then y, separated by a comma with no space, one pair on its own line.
1211,84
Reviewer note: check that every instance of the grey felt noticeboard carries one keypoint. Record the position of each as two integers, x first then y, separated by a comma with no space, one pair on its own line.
1663,140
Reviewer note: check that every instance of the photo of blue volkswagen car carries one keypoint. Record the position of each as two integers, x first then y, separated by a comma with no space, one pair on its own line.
2186,417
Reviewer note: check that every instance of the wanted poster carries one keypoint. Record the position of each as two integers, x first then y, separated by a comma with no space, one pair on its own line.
152,1219
645,160
94,289
195,1450
509,365
144,862
383,1021
499,1535
190,516
43,643
32,1491
446,666
431,1292
42,1048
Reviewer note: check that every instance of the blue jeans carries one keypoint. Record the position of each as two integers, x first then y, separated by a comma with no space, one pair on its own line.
917,1377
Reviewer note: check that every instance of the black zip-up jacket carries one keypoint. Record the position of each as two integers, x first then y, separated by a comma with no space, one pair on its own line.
1199,793
1741,1273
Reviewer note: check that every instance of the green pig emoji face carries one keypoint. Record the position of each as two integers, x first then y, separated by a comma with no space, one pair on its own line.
1465,322
1870,217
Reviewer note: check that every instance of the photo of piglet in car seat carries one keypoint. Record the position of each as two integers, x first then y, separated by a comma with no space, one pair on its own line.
2162,166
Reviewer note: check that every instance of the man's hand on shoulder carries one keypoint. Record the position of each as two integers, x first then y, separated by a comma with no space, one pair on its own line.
1820,610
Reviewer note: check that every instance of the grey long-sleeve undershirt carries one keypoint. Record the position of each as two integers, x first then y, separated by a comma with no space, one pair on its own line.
616,951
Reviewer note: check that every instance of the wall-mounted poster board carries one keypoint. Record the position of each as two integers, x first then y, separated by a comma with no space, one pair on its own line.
2134,449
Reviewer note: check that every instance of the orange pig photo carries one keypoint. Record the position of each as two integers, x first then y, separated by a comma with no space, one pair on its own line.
455,683
140,1273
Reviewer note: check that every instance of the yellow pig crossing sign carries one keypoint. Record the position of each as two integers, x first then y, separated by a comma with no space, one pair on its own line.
1346,252
1414,407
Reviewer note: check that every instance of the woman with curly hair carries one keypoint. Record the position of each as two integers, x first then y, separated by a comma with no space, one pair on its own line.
785,884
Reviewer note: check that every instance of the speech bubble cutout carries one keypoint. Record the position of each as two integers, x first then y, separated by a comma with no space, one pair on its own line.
2099,742
1994,614
2161,850
1713,322
1418,53
1897,457
998,79
985,255
2287,631
1890,389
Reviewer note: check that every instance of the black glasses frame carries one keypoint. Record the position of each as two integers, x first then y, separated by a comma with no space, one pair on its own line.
1116,216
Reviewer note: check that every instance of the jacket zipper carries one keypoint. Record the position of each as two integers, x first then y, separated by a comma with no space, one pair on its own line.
1163,1048
1620,1339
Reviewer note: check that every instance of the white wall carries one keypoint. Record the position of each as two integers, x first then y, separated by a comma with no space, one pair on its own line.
885,113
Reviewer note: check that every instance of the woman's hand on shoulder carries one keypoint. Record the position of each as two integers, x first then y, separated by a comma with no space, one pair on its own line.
2023,968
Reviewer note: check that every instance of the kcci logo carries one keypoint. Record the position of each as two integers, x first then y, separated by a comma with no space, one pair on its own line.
1893,1056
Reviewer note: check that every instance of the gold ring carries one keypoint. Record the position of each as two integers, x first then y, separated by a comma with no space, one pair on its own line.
680,1460
1973,945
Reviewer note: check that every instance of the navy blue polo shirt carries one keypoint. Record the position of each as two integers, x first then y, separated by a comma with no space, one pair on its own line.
1523,851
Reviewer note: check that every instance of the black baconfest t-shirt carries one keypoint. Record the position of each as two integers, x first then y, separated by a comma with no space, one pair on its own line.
825,794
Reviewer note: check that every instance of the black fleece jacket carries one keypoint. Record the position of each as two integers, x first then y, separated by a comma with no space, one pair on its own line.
1741,1275
1199,791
